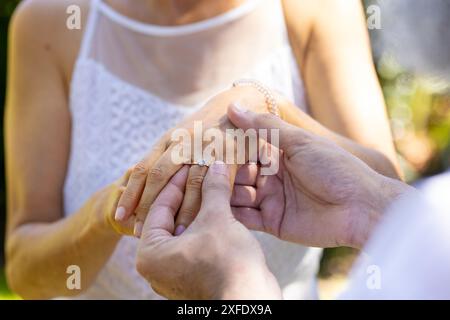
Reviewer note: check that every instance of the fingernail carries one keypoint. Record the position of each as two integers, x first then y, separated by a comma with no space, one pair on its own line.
138,229
179,230
238,107
218,167
120,214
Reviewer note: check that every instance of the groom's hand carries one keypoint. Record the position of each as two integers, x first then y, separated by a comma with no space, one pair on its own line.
216,257
328,196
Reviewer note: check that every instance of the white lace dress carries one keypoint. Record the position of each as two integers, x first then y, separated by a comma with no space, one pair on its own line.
134,81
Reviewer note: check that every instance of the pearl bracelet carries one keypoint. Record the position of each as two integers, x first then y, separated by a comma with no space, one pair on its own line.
272,105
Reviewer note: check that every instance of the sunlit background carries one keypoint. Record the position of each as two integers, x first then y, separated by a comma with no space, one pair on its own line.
417,98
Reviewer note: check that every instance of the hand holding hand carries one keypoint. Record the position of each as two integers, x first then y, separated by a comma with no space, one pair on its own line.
148,177
322,195
216,257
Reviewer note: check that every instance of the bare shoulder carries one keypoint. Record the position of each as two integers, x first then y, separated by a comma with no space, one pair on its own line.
39,28
309,21
44,15
301,13
308,13
330,13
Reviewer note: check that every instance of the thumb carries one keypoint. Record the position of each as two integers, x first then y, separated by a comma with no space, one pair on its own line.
160,221
216,191
246,119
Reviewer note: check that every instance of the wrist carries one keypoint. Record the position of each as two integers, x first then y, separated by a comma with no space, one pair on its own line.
250,283
104,208
285,107
382,193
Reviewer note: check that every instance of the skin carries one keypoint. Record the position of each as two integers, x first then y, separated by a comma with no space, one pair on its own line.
165,273
309,202
173,12
341,82
343,93
325,196
41,242
150,175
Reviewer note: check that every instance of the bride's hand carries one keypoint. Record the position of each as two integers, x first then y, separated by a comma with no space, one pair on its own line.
150,176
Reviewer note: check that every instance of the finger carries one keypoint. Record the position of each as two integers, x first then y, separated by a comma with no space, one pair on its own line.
135,185
192,198
121,227
247,175
246,119
130,197
216,190
161,219
249,217
244,196
158,176
269,158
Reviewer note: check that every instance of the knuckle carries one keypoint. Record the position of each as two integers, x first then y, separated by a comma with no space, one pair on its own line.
187,215
195,182
156,174
128,196
140,170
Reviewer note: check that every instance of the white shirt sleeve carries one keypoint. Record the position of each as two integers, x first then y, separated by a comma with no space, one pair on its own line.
408,256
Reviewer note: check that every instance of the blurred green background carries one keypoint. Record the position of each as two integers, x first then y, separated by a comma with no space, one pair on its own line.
419,110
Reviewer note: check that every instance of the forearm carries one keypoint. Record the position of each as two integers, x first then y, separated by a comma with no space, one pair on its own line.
251,99
368,213
247,282
373,158
251,289
40,253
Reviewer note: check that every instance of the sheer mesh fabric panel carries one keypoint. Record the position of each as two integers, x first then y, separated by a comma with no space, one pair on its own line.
187,68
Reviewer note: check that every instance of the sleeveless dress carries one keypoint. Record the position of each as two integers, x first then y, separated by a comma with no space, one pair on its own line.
134,81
